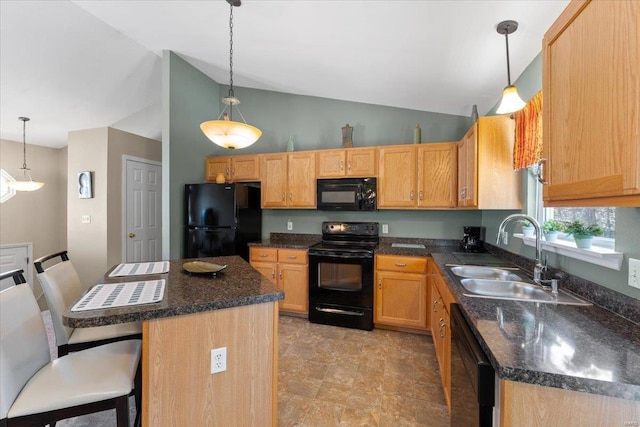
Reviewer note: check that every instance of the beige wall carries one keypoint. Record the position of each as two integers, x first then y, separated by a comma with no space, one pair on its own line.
37,217
97,246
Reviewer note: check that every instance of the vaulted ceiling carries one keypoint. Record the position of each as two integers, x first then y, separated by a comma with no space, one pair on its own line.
71,65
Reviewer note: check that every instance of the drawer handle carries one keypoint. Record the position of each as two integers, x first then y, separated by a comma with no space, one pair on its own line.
400,264
263,255
341,165
280,274
273,273
349,164
292,256
283,197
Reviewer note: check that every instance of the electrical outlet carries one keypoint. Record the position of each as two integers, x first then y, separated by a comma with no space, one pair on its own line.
634,273
385,228
289,225
86,219
218,360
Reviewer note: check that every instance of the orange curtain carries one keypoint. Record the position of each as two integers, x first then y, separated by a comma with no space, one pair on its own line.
527,148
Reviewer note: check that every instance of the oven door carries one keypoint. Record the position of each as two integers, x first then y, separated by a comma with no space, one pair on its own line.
341,289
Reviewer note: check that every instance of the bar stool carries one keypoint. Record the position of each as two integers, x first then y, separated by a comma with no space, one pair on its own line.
61,286
35,390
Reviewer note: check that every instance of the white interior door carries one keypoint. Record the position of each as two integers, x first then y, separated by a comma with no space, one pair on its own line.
13,257
142,210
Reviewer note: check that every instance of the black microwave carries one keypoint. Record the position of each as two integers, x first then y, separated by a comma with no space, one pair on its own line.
347,194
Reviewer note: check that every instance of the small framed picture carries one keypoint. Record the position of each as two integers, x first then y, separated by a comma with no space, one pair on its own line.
85,185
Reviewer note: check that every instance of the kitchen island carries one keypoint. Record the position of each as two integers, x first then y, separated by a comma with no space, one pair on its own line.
237,309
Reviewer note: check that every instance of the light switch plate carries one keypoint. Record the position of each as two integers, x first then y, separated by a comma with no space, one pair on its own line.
634,273
86,219
385,228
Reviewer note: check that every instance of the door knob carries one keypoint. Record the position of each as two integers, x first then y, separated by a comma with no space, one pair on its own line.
132,235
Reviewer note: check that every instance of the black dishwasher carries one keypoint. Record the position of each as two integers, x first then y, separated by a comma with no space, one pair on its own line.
472,377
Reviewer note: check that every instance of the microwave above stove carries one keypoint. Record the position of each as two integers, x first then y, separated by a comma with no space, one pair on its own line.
347,194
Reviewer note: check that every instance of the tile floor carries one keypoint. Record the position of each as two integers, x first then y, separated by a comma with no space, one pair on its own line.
331,376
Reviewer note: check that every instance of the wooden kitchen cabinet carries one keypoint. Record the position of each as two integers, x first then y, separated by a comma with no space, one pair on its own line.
591,87
234,168
486,179
437,175
439,304
289,180
418,176
289,270
401,292
348,162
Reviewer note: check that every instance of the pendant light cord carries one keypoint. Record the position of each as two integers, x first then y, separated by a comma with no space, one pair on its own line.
506,39
24,142
231,52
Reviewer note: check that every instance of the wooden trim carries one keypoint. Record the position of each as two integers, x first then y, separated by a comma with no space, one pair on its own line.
274,372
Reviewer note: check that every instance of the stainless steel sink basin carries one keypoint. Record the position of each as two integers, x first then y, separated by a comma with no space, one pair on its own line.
517,291
484,273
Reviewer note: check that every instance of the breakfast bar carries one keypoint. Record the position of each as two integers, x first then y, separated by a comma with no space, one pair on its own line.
235,308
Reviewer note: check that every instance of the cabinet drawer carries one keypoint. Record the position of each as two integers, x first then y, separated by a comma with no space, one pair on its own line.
292,256
263,254
401,263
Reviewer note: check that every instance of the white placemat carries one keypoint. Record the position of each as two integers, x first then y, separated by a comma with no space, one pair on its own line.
121,294
140,268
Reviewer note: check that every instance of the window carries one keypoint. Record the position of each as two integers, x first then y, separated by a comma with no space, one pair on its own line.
5,191
603,250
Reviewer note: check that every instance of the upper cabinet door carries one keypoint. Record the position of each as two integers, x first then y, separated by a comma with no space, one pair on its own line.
331,163
361,162
245,168
216,165
274,180
302,179
437,175
591,114
397,177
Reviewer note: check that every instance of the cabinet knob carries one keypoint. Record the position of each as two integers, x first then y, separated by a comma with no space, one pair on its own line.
273,273
411,195
132,235
341,165
280,275
290,197
283,199
420,195
379,283
349,164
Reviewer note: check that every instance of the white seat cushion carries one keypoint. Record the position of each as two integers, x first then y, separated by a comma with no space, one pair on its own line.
92,375
98,333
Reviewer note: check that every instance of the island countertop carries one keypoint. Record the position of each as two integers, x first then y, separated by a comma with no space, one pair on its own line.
185,293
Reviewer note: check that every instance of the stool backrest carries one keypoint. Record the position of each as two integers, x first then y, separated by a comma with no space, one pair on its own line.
61,286
24,348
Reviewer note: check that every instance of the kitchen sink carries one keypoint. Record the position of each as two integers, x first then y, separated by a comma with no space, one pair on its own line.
516,291
484,273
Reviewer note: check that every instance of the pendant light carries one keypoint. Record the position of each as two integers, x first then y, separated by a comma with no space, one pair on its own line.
511,101
27,184
228,133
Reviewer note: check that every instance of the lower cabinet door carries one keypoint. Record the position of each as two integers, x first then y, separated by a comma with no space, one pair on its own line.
293,279
401,299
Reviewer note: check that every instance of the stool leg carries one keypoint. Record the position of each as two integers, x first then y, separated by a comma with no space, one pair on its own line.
122,411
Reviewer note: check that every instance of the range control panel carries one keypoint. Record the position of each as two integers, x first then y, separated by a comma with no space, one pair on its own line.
350,228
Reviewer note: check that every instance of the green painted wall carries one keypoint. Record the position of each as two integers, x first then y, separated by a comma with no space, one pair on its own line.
627,219
189,98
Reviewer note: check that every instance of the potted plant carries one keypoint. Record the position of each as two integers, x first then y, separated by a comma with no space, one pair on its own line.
583,233
528,230
550,228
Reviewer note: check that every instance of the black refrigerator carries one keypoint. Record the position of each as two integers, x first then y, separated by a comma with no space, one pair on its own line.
220,219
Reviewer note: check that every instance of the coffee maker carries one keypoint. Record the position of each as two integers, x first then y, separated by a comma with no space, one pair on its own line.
473,239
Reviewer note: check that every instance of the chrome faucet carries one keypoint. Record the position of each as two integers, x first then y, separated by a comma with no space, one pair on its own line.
538,267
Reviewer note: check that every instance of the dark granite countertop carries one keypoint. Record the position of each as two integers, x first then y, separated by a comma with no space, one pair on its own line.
239,284
289,241
578,348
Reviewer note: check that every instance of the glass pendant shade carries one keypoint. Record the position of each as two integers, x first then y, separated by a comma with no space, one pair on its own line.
511,101
27,183
230,134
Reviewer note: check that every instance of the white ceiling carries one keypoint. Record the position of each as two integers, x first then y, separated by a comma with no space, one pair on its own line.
71,65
